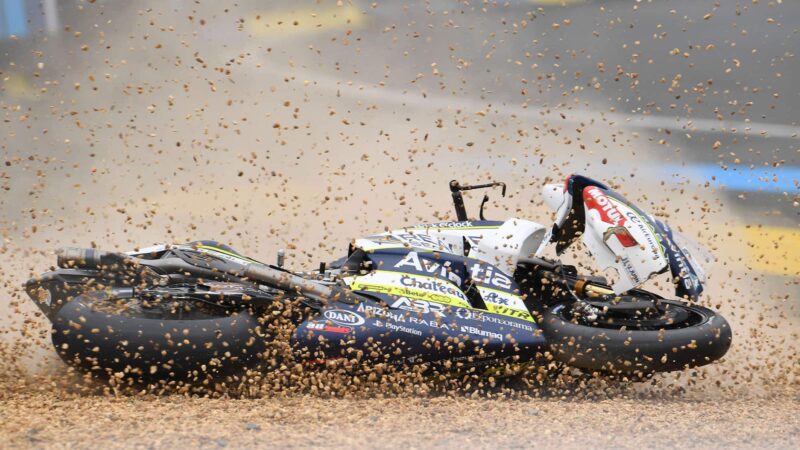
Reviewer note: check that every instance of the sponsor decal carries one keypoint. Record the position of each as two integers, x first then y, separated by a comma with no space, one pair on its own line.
493,297
648,232
419,306
424,241
479,332
383,313
686,274
504,303
435,323
463,224
595,199
343,317
631,270
410,285
486,274
409,292
401,328
510,312
321,326
444,270
609,213
474,314
474,240
430,284
467,224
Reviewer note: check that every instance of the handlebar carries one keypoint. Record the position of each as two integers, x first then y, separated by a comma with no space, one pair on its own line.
458,200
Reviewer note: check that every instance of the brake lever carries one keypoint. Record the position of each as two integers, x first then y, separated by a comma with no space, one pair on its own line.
485,199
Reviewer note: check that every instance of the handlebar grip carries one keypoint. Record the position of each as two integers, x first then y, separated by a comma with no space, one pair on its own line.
88,258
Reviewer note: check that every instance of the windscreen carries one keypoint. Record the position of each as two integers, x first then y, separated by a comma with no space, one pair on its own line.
688,261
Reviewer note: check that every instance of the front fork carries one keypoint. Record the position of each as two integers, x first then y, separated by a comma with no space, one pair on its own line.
547,283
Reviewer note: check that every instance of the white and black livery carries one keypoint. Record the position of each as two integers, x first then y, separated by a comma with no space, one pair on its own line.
467,296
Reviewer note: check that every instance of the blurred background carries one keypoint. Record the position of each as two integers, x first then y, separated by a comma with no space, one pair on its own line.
304,124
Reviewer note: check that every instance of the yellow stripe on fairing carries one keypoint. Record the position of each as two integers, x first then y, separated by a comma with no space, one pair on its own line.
421,294
208,247
402,291
509,312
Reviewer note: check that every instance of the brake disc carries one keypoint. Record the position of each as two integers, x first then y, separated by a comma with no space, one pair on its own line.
626,306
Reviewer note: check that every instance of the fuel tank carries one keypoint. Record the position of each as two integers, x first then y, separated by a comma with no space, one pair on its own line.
416,306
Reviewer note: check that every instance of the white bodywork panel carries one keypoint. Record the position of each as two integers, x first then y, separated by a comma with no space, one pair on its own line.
501,245
558,199
151,249
621,239
445,237
614,233
514,239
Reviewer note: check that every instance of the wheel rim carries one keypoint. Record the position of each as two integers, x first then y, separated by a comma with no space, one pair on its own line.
123,302
667,315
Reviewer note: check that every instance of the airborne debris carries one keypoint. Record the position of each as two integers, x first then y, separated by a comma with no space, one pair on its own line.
150,122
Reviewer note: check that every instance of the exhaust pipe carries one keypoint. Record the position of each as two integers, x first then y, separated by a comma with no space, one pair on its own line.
288,282
89,258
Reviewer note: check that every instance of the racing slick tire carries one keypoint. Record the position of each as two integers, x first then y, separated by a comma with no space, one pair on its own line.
147,349
701,338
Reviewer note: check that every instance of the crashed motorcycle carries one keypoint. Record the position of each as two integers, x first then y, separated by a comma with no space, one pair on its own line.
463,297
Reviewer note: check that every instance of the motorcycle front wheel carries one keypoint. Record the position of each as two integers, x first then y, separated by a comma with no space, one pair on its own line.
674,335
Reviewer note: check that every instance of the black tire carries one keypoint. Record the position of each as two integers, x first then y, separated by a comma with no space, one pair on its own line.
702,338
150,349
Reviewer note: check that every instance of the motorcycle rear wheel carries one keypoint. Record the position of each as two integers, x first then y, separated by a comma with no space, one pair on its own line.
699,337
112,333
